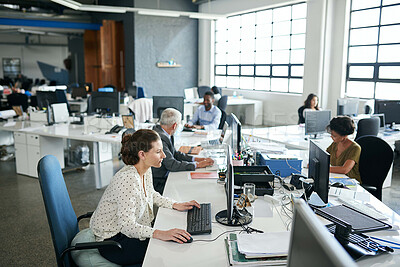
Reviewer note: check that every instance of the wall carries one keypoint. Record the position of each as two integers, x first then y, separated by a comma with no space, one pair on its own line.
161,39
324,55
51,52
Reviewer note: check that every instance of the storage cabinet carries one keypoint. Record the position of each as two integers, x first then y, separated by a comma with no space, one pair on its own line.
30,148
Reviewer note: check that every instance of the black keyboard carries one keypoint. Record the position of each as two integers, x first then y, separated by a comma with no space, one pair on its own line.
199,220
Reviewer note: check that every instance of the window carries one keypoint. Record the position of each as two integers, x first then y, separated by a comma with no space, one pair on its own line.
262,50
373,63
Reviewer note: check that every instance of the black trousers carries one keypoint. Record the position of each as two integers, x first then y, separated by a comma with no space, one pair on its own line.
132,252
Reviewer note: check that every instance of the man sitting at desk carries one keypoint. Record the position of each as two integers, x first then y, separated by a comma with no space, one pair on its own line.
207,116
175,160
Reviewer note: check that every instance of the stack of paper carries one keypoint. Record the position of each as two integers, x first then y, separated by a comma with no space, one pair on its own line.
264,245
236,258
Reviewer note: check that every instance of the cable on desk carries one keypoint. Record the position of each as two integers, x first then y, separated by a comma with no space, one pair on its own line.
287,162
387,241
212,240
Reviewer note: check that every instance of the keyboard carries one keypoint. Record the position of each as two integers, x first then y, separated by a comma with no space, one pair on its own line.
352,203
199,220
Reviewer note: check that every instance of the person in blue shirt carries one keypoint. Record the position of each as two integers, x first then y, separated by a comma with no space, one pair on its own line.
207,116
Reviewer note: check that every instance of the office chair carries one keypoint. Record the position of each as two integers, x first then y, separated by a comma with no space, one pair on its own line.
17,99
202,90
62,218
375,162
300,113
223,119
223,102
369,126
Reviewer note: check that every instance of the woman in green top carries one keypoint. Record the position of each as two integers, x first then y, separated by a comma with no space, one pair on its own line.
345,153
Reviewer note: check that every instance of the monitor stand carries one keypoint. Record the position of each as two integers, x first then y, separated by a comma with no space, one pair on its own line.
315,201
315,136
239,218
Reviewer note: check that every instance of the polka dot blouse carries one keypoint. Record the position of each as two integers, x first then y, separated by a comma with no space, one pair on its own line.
126,208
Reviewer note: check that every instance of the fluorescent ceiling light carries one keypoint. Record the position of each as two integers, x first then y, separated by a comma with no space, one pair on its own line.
109,9
68,3
159,13
205,16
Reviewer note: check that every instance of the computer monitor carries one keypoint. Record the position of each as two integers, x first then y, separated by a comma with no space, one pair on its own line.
316,121
236,127
163,102
381,119
106,90
318,169
347,106
45,98
391,109
104,102
311,244
61,96
78,92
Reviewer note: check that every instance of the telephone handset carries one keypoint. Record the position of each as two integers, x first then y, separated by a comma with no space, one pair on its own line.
115,129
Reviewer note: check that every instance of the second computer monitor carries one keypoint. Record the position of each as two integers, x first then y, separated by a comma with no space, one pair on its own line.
318,169
104,102
236,127
347,106
163,102
316,121
391,109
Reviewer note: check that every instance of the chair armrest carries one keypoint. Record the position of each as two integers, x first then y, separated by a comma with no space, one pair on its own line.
91,245
87,215
369,188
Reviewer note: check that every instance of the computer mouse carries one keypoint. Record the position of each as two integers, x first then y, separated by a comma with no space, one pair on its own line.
190,240
337,184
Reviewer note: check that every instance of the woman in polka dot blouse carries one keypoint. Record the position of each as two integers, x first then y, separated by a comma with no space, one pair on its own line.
125,211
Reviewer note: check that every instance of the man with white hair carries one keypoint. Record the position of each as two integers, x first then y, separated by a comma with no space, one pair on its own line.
175,160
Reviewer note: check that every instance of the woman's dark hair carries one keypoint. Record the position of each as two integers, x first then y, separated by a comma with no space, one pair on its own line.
343,125
133,143
307,102
215,90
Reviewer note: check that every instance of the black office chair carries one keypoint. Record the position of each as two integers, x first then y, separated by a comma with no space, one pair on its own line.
375,161
223,119
18,99
223,102
300,113
61,215
369,126
201,90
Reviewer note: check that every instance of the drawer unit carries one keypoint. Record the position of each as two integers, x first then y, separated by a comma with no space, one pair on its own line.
32,139
19,138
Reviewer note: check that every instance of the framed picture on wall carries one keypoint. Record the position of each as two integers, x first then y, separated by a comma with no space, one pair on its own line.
11,67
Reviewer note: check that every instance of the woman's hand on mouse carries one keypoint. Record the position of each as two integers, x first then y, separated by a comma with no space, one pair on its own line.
185,205
178,235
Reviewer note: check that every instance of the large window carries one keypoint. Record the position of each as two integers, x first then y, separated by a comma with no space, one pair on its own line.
262,50
373,65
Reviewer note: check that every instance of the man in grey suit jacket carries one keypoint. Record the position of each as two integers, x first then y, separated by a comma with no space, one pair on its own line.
175,160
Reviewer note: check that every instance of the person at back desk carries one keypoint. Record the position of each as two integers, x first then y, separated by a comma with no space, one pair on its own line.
345,153
311,103
175,160
207,116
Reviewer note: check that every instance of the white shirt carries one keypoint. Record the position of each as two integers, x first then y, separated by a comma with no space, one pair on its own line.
126,208
210,119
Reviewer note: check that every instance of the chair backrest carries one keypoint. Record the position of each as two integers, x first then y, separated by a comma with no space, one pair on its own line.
300,113
369,126
202,90
18,99
60,214
140,92
375,161
223,102
223,119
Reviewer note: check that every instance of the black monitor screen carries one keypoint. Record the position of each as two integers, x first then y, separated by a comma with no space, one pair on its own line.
78,92
319,163
163,102
45,98
316,121
381,120
347,106
391,109
236,134
311,244
104,102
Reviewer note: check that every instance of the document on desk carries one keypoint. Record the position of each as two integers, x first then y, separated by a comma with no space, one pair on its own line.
204,175
194,150
264,245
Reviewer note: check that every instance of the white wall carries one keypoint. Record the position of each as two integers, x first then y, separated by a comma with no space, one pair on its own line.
30,54
324,64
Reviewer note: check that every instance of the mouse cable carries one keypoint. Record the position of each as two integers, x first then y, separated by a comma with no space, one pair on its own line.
212,240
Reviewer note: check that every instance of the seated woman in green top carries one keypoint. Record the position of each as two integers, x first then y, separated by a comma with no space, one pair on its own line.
345,153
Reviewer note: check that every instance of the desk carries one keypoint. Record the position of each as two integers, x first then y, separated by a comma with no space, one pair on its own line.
249,109
293,137
267,217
